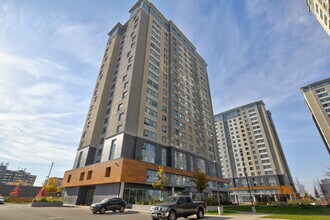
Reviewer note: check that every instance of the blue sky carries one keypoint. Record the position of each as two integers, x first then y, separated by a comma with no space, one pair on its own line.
50,53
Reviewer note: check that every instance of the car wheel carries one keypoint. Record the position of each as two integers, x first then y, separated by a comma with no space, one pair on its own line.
200,214
102,210
94,212
172,215
122,208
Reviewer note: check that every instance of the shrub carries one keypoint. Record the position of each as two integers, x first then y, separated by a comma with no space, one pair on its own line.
211,201
18,199
48,199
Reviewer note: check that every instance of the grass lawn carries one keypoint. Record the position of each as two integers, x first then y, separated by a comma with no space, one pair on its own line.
225,212
288,212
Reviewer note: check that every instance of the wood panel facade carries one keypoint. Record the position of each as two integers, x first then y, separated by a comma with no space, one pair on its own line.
121,170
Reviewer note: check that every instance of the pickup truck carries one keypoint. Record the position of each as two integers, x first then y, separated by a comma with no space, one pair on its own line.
178,206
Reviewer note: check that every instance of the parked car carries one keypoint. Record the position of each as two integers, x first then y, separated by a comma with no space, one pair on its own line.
2,200
113,204
178,206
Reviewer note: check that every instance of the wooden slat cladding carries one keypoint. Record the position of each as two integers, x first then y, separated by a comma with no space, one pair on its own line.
280,189
121,170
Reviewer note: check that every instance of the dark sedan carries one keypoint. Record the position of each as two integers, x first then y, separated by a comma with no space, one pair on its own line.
113,204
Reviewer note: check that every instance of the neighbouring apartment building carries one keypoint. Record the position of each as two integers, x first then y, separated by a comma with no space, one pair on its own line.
251,155
151,106
10,177
317,99
321,10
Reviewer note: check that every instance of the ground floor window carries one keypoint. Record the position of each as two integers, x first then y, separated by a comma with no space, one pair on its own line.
144,196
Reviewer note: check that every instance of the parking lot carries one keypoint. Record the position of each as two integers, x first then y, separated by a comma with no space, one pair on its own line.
23,211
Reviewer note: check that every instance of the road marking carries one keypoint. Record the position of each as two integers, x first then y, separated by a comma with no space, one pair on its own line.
55,217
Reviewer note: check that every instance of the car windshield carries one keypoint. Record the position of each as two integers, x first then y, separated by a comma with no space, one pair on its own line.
105,200
171,199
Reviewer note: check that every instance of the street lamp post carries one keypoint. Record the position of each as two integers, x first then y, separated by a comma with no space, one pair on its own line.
220,207
247,181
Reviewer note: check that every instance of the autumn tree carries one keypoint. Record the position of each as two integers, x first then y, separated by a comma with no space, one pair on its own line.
162,180
52,187
199,178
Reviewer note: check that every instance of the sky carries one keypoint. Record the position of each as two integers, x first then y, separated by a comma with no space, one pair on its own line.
51,51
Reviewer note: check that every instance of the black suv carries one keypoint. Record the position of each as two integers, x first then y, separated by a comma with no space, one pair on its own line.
109,204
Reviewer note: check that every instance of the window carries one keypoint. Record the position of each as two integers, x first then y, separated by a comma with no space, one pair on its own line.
164,139
124,95
129,67
180,160
153,76
112,149
154,60
148,153
154,53
201,165
89,175
124,77
125,85
164,157
153,93
164,109
164,129
69,178
149,134
192,164
151,112
150,123
152,83
121,116
106,120
151,176
164,118
132,45
107,172
152,102
119,128
82,175
120,107
152,67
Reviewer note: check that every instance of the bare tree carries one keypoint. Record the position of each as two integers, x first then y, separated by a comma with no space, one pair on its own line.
301,189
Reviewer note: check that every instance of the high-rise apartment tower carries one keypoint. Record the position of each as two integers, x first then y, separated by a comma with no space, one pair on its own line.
317,99
321,10
151,107
251,155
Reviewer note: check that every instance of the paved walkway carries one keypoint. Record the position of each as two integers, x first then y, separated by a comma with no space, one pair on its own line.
238,216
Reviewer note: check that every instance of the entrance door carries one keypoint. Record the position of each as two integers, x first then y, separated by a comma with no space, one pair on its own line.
89,196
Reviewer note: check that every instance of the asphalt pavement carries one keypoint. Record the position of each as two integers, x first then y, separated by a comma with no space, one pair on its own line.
26,212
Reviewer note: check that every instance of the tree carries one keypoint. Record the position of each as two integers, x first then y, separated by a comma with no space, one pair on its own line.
301,189
199,178
162,180
316,193
52,187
